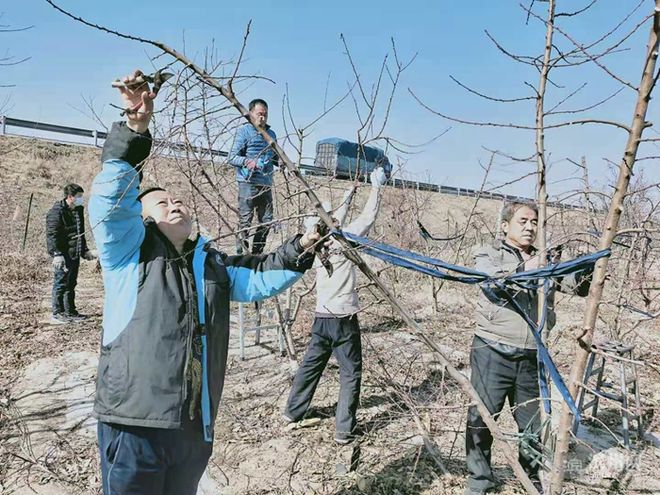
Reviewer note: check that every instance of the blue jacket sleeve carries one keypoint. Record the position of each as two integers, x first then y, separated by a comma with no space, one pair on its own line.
253,278
114,211
238,149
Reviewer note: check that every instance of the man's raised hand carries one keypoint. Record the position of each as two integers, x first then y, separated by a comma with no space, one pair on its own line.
138,101
378,177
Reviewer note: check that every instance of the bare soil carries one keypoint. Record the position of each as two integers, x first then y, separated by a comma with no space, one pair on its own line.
47,442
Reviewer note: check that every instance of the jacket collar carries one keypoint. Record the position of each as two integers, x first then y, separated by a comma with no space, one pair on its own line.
253,127
66,206
502,244
188,247
518,253
505,246
191,244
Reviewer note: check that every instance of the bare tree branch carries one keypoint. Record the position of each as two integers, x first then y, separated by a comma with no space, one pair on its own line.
491,98
518,126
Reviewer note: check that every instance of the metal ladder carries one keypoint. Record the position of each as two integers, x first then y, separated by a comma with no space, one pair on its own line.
246,326
612,353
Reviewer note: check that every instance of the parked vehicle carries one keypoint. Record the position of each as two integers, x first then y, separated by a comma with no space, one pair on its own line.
343,158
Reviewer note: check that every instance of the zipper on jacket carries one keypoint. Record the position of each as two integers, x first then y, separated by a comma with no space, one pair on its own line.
199,321
191,327
205,398
182,264
528,292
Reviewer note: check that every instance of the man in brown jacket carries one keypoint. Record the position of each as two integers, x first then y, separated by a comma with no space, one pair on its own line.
504,355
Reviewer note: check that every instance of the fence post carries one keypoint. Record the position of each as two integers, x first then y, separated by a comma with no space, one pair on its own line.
27,221
95,135
3,125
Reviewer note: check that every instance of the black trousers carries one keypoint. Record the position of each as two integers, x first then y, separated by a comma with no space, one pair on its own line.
498,377
64,287
253,197
341,337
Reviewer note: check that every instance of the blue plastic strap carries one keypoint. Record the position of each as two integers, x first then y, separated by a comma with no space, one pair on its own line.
543,376
561,269
433,272
382,250
543,353
386,248
527,280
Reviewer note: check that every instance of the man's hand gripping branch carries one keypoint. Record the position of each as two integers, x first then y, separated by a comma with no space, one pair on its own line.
138,100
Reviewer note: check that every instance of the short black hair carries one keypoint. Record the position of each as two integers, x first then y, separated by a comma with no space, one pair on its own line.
147,191
512,207
257,101
72,190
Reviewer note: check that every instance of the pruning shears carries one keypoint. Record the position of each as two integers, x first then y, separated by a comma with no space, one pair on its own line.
157,79
321,249
250,172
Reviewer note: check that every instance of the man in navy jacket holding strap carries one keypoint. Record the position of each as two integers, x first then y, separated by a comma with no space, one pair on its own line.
166,317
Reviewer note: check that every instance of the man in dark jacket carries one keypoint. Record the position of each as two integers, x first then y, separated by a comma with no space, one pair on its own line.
166,317
66,244
254,160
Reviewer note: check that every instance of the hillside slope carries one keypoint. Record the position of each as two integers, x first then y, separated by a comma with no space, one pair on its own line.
47,373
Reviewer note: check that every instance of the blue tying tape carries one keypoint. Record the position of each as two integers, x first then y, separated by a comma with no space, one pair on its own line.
400,253
527,279
544,359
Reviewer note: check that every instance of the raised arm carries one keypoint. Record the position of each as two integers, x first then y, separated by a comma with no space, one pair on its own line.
114,211
346,200
257,277
577,284
363,223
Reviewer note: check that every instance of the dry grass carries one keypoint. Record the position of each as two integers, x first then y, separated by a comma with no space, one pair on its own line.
252,448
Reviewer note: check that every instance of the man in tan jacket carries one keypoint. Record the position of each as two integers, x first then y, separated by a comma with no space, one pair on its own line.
504,355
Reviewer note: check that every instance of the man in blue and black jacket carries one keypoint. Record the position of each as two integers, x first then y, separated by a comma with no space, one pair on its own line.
254,160
166,317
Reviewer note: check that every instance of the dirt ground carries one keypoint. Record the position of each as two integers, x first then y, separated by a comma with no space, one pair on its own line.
47,439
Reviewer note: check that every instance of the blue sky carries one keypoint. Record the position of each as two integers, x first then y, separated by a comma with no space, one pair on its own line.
297,44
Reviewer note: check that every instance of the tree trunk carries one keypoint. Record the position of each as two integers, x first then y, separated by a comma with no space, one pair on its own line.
609,232
541,192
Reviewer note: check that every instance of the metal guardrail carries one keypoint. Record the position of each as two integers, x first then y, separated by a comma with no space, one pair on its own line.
41,126
442,189
310,169
90,133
